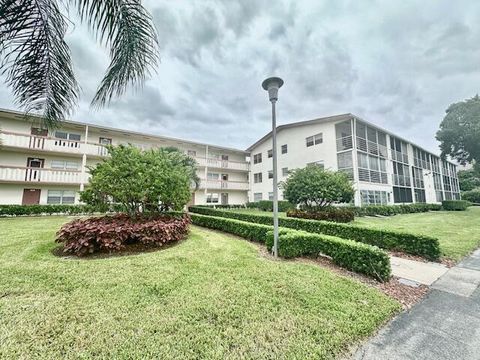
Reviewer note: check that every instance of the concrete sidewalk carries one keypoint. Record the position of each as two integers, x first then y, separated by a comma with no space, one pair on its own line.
420,272
445,325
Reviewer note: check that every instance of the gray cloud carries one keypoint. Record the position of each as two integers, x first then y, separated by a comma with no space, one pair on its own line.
398,65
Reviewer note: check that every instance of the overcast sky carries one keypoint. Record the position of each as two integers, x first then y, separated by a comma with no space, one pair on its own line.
396,64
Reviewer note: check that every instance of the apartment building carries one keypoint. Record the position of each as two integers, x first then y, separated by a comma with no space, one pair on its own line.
384,168
38,166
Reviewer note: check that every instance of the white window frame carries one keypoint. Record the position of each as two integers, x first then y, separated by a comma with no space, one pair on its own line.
284,146
257,196
213,198
285,171
64,197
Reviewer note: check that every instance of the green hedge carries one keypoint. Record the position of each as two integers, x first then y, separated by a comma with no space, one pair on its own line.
21,210
421,245
362,258
336,214
455,205
267,205
352,255
224,206
247,230
389,210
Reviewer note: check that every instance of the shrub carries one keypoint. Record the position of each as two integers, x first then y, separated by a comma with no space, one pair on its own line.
224,206
473,196
22,210
313,186
141,181
389,210
421,245
455,205
336,214
112,233
352,255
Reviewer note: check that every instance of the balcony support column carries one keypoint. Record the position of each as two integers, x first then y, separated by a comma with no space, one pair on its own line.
84,160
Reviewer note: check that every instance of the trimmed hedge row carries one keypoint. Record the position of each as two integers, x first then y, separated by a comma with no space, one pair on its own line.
455,205
361,258
421,245
247,230
267,205
224,206
352,255
336,214
389,210
21,210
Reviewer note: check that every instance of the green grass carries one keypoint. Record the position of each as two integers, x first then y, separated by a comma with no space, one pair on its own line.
210,296
458,231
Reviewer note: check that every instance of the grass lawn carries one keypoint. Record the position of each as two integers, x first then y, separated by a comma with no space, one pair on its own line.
211,296
458,231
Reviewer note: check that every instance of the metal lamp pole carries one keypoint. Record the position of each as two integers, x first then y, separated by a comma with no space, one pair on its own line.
272,85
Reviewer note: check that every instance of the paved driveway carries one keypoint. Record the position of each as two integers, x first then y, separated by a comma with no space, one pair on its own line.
445,325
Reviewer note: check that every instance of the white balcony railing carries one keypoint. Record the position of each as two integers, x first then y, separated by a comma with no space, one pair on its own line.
46,143
40,175
222,164
223,185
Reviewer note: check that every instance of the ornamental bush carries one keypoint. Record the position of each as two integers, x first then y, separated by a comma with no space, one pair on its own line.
313,187
141,181
336,214
473,196
425,246
455,205
112,233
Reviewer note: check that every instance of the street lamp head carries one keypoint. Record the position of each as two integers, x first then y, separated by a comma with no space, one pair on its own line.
272,85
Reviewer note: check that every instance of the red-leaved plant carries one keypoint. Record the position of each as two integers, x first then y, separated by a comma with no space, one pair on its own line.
113,233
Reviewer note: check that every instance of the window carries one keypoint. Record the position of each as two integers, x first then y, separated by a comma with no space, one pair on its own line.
285,171
343,134
402,195
373,197
257,158
314,140
60,197
345,163
212,198
317,163
67,136
270,196
192,153
66,165
257,178
270,174
257,197
284,149
270,153
213,176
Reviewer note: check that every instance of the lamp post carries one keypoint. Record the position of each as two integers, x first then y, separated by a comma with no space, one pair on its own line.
272,85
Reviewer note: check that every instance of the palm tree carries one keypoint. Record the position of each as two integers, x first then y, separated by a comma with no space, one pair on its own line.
36,59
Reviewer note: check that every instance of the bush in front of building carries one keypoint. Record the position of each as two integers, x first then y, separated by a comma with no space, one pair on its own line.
455,205
224,206
313,187
352,255
472,195
140,181
267,205
425,246
114,233
336,214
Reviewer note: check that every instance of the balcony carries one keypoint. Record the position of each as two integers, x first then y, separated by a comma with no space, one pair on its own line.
223,185
45,143
39,175
222,164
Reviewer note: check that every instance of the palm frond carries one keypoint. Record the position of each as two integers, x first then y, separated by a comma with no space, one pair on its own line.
36,59
127,28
